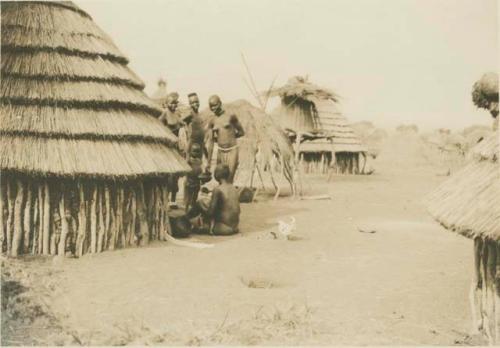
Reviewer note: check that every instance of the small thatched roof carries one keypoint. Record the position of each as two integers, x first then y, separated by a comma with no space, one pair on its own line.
69,105
161,93
469,202
299,87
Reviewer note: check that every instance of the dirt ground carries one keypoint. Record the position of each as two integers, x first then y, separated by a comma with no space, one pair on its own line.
405,284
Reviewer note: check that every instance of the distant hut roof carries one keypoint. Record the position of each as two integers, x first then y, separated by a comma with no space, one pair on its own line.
300,87
308,108
160,94
69,104
469,202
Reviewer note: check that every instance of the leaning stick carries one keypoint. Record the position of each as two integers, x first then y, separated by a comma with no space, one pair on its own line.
82,222
107,203
36,228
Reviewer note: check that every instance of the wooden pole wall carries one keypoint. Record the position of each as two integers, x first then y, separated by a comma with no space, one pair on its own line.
43,217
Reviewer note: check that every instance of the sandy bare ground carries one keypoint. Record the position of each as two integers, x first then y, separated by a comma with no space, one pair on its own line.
405,284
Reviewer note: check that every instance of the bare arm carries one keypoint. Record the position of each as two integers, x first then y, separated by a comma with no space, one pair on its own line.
237,126
209,141
214,202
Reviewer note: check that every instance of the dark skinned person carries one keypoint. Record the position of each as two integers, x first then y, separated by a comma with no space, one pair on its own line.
224,129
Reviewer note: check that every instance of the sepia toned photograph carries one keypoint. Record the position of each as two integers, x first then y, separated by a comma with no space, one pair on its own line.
250,173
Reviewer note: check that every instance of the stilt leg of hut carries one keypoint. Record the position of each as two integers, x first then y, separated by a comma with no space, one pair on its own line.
490,289
18,219
298,162
27,225
46,219
475,296
61,249
497,295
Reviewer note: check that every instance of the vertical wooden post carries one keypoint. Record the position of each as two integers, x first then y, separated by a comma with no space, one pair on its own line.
27,225
82,221
10,216
142,215
93,220
36,226
40,218
297,157
107,204
46,219
18,219
490,290
3,230
64,224
100,208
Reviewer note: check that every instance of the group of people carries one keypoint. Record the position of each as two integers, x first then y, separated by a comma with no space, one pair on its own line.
217,211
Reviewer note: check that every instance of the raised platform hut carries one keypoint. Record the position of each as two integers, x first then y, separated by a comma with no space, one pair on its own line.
323,138
83,158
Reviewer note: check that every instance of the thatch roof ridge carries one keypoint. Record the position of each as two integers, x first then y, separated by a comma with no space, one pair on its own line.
88,110
469,201
300,88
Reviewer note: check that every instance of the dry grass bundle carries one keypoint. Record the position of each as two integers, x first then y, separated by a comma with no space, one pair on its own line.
41,64
299,87
469,202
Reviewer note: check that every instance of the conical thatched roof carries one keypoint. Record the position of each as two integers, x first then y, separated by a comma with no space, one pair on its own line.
70,106
469,202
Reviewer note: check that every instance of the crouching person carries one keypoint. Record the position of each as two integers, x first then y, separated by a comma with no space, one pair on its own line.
218,214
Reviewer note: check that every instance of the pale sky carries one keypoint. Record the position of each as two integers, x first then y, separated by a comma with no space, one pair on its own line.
392,61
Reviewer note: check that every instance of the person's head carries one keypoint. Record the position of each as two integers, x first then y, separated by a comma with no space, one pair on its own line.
172,101
196,151
221,173
215,104
194,101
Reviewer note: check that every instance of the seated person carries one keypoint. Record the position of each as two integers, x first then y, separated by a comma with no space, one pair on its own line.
220,213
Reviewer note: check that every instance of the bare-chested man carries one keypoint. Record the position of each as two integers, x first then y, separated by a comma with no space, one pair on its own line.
222,210
194,125
171,119
224,129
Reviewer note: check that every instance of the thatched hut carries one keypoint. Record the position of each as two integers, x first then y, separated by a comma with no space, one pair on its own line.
322,135
83,158
265,150
469,204
160,94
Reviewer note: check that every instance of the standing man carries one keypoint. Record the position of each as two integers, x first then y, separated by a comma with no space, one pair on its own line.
171,119
194,125
224,129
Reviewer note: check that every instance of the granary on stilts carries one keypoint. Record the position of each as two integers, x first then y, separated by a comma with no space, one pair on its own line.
323,138
161,93
469,204
83,158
